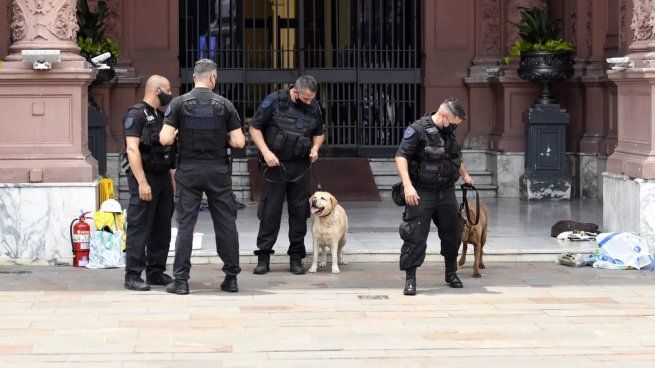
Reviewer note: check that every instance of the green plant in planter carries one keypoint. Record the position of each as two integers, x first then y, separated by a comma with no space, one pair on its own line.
91,36
538,33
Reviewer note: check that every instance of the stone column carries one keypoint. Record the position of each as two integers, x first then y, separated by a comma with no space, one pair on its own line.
594,78
488,55
512,95
46,168
4,32
629,185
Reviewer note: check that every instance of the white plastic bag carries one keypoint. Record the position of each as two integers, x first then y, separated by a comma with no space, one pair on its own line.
105,250
626,249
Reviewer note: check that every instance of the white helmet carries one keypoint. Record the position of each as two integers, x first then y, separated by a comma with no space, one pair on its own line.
111,205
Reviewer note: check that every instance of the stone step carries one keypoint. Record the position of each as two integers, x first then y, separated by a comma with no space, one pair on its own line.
475,160
484,190
365,256
390,178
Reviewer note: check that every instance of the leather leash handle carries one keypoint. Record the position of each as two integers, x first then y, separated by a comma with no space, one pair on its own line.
465,203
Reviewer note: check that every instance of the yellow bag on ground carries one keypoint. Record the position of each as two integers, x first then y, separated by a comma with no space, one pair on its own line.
114,221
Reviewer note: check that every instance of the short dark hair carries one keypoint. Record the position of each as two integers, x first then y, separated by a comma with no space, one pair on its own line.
455,106
204,66
306,82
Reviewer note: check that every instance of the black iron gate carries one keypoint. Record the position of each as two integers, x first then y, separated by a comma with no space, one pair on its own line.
364,54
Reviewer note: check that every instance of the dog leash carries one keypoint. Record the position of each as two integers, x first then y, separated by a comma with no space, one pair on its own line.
465,204
264,168
283,173
318,183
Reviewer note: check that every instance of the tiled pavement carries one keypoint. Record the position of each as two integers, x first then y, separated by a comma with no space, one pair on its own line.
516,315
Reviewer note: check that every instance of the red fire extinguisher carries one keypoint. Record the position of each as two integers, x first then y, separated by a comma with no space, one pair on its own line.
80,233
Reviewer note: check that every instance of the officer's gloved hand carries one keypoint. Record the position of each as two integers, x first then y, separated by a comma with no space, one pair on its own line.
271,159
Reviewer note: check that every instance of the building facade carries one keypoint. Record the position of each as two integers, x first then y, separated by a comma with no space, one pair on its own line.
380,64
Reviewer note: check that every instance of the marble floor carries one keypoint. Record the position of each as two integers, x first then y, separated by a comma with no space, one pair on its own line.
515,226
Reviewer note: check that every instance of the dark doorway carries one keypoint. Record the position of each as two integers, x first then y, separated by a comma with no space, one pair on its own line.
364,54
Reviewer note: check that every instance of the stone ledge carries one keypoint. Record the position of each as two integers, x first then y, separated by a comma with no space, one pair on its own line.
357,256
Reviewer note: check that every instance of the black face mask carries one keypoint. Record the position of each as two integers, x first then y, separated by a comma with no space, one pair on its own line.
164,98
301,103
450,128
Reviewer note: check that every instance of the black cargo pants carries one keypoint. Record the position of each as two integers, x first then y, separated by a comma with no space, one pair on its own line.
440,207
192,180
148,226
291,183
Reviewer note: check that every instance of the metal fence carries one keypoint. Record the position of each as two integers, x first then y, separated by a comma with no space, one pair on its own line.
364,54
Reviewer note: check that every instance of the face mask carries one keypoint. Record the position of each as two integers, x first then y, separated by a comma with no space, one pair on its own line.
450,128
300,102
164,98
215,88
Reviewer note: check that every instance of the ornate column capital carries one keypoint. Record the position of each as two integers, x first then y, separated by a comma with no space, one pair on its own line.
44,24
642,27
643,21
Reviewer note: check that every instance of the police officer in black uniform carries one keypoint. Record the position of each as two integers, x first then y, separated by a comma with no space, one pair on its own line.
150,180
206,125
429,162
288,131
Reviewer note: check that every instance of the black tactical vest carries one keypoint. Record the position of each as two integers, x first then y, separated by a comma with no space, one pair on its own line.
202,136
154,156
436,163
289,133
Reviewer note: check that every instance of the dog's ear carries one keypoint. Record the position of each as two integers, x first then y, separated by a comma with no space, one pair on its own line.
333,201
310,199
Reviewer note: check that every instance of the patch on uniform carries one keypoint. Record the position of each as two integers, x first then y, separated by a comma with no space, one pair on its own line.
409,132
168,110
204,111
300,123
267,102
128,122
431,130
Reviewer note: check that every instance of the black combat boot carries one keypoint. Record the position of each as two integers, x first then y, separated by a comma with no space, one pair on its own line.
295,266
263,264
451,275
160,279
180,287
230,284
410,282
136,284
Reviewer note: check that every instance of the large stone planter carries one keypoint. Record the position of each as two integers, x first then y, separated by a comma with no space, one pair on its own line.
545,67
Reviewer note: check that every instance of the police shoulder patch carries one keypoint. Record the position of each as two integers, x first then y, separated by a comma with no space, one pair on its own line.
168,110
268,101
129,121
409,132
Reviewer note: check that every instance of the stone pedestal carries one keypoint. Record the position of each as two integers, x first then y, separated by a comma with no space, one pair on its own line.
38,217
629,185
45,129
545,176
47,174
634,155
629,205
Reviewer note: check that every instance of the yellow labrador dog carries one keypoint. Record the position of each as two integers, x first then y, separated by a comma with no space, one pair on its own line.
329,228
